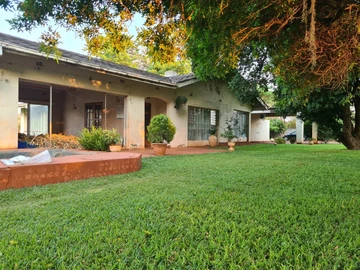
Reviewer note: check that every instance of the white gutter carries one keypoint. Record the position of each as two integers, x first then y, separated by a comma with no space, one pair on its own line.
188,82
265,111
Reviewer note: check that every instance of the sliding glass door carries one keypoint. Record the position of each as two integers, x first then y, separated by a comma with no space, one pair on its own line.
38,119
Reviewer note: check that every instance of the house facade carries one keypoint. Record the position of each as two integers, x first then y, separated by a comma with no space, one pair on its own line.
40,95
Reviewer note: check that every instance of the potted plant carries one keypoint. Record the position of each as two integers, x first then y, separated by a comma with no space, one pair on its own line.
180,101
161,131
114,140
98,139
229,132
212,137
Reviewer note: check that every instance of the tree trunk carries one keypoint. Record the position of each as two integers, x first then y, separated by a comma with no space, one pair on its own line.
351,133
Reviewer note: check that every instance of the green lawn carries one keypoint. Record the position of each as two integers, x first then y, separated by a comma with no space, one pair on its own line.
260,207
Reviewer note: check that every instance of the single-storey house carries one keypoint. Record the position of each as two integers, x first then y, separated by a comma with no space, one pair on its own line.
42,95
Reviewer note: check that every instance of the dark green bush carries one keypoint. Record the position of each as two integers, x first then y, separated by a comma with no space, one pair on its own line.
276,127
280,140
161,128
98,139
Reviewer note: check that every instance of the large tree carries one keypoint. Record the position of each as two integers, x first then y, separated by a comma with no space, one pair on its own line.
137,56
309,44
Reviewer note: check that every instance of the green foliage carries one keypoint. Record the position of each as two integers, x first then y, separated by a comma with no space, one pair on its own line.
325,133
276,208
229,132
291,124
49,44
280,140
130,56
180,101
276,126
182,66
98,139
306,47
322,106
215,34
212,131
268,98
160,129
244,90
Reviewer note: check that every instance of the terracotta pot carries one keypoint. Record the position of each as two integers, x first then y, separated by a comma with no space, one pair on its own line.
159,148
231,146
115,148
212,140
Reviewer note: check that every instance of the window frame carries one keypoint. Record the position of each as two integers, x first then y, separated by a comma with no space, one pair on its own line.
236,114
202,133
94,119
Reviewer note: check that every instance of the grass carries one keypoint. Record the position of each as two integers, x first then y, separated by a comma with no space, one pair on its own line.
261,207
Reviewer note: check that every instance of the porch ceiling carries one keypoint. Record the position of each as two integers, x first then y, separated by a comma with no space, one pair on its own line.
37,86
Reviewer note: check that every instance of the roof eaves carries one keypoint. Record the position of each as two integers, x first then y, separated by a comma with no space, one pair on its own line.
133,76
187,82
262,102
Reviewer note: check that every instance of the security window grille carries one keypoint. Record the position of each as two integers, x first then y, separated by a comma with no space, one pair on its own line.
241,128
93,113
200,120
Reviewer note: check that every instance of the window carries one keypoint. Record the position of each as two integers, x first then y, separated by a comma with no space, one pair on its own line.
200,120
241,128
39,119
33,119
93,113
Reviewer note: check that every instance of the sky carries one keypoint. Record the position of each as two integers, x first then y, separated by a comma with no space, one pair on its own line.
69,40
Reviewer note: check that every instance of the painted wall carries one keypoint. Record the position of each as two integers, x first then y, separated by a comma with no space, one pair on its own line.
205,95
92,87
260,129
9,84
135,123
14,67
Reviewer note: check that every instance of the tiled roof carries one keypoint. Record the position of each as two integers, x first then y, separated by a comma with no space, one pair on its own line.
182,78
27,46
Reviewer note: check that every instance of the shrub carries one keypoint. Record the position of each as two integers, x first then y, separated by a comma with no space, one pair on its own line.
276,127
229,132
160,129
280,140
98,139
212,131
292,140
